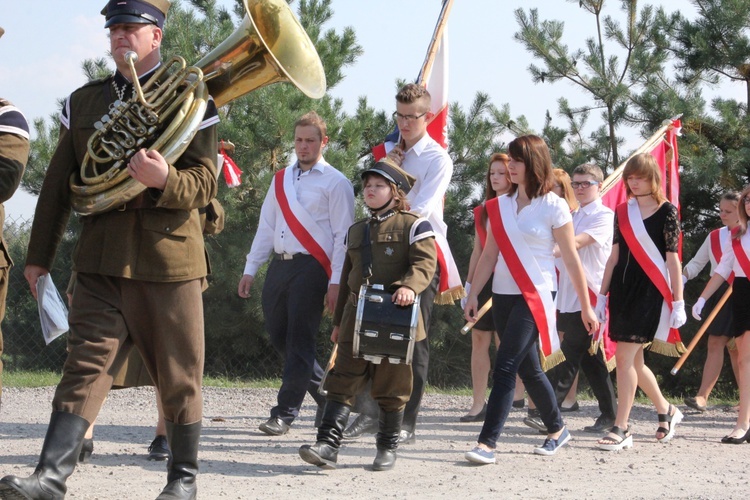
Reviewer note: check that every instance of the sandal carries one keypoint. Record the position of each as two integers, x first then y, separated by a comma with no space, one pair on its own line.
617,439
672,418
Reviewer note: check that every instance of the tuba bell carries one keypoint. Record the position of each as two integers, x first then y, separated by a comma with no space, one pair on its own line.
269,46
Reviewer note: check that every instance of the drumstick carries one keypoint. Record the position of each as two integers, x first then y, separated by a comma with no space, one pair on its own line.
702,330
486,307
329,366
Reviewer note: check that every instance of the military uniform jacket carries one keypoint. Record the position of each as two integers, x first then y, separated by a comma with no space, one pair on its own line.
14,152
403,254
161,242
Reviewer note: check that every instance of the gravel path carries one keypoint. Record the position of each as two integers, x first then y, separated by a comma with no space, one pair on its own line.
239,462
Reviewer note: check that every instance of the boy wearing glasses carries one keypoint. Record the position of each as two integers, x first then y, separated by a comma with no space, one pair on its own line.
428,162
593,224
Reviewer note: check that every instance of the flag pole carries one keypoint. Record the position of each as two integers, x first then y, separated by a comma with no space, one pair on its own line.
657,136
424,74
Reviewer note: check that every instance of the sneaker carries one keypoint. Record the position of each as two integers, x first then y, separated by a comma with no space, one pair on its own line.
159,449
480,456
535,422
551,446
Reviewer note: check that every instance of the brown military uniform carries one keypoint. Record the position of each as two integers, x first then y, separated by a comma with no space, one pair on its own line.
14,152
403,254
140,271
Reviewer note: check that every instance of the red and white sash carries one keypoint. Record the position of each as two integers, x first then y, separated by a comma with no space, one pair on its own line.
480,227
740,253
528,277
316,241
716,253
667,340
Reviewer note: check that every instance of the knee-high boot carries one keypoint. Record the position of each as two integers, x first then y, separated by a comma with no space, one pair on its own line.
58,460
387,440
182,467
324,453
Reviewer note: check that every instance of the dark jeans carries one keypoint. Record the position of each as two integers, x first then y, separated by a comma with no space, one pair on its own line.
518,354
575,346
293,295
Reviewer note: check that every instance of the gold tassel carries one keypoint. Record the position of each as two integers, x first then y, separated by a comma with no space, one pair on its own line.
450,296
552,360
732,345
594,347
667,349
611,363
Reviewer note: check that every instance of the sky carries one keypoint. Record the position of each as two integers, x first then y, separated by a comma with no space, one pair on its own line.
43,49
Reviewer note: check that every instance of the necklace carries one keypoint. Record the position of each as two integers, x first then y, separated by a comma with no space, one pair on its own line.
121,91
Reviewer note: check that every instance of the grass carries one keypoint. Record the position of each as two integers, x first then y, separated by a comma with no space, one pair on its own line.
29,379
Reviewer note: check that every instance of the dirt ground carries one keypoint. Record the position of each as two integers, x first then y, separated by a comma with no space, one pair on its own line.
238,461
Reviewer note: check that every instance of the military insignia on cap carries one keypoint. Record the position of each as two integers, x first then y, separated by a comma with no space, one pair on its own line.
388,251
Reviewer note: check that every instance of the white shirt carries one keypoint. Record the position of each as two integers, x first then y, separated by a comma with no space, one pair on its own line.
728,262
704,254
328,197
536,222
430,164
597,221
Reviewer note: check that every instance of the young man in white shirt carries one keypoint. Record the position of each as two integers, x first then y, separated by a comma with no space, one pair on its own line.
593,224
422,157
303,223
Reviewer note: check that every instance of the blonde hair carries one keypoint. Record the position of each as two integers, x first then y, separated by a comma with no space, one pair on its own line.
644,165
562,177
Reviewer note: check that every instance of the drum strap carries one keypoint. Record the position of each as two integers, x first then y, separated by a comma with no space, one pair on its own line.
367,255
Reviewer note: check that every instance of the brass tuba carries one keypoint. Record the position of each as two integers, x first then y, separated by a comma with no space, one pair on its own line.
269,46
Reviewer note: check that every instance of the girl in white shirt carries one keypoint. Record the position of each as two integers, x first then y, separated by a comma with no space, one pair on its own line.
537,219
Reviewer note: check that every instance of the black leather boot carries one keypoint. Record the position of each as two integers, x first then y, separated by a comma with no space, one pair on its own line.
58,460
363,424
182,466
324,453
387,441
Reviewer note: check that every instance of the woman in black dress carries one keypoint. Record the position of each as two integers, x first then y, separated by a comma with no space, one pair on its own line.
636,304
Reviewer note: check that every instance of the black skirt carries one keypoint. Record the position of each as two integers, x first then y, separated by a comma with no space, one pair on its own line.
741,299
485,323
722,325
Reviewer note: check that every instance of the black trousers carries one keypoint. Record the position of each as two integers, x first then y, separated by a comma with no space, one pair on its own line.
292,300
575,346
419,366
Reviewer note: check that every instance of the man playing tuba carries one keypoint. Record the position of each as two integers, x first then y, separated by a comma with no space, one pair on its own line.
140,268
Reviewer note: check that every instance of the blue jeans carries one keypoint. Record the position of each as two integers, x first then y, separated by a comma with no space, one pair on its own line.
518,354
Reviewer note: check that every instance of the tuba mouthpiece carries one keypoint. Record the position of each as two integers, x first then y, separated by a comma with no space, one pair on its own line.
131,56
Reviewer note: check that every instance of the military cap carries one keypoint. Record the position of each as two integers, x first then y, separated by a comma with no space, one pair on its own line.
136,12
394,174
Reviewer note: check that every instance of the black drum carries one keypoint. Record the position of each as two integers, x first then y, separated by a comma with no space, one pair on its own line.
384,329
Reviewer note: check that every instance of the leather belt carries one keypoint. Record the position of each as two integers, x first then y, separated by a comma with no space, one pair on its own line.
286,256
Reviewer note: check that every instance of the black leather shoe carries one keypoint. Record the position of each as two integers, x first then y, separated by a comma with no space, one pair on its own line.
361,425
159,449
406,437
602,424
274,426
384,460
87,448
479,417
571,408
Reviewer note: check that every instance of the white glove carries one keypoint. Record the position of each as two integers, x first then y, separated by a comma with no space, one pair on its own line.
601,308
678,316
684,280
698,308
467,287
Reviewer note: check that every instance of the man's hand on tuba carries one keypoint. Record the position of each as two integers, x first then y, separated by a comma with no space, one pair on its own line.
149,168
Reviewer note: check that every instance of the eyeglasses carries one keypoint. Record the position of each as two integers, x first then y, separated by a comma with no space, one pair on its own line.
745,200
407,118
584,184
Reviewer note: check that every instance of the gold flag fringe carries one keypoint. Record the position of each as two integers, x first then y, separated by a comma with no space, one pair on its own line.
732,345
552,360
450,296
598,345
667,349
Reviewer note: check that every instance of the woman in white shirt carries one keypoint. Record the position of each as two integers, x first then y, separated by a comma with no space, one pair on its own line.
720,330
735,260
525,224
